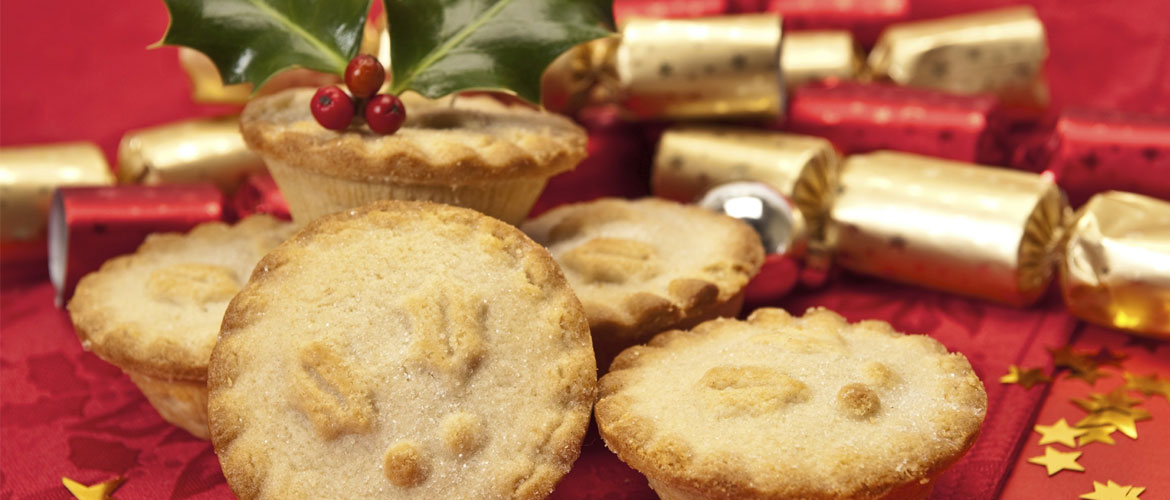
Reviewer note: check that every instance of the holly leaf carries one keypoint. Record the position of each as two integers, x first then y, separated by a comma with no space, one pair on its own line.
251,40
438,47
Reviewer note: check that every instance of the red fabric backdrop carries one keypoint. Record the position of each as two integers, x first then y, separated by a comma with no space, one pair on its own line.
79,71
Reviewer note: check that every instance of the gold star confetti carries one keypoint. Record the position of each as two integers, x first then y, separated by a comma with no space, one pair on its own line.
1105,356
1026,378
1124,422
1148,385
1113,491
1066,357
1117,399
1102,434
1056,461
100,491
1059,432
1091,376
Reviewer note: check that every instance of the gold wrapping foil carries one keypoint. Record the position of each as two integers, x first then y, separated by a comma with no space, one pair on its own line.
202,150
999,51
28,176
694,159
963,228
725,66
1116,266
807,56
583,76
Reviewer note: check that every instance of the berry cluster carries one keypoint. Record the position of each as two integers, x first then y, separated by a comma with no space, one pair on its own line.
334,109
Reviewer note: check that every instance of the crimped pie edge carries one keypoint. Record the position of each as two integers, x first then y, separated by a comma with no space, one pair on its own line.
248,481
553,145
637,442
642,313
122,344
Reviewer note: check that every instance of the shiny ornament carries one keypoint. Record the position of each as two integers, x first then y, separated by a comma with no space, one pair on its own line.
781,230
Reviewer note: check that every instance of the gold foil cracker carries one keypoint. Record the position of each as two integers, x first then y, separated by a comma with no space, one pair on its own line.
1116,266
808,56
583,76
28,176
999,51
713,67
693,159
963,228
201,150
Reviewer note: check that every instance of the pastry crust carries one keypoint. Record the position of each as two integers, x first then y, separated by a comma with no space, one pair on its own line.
402,350
782,407
641,267
443,142
157,311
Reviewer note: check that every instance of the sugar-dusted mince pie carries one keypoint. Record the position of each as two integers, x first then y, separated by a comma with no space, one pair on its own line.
472,152
402,350
784,407
641,267
155,313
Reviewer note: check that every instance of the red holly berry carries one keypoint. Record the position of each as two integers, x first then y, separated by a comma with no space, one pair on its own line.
385,113
332,108
364,76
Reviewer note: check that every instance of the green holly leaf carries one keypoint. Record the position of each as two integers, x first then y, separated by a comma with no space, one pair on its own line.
442,46
251,40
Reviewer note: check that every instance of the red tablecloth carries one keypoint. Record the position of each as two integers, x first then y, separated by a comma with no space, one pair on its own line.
79,70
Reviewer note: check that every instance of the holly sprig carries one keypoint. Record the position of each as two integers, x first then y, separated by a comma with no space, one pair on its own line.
437,47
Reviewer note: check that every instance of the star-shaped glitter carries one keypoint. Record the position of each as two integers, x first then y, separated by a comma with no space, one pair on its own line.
1148,385
100,491
1123,421
1055,461
1059,432
1102,434
1113,491
1066,357
1105,356
1091,375
1026,378
1117,399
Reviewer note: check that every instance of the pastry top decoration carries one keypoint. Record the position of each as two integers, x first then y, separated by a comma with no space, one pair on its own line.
402,350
